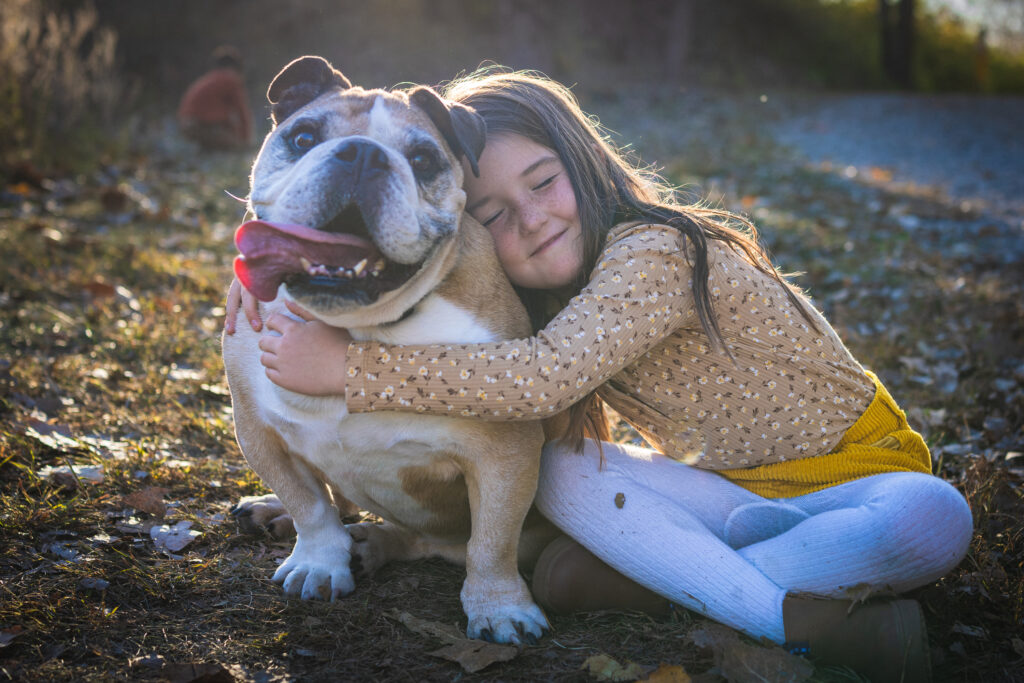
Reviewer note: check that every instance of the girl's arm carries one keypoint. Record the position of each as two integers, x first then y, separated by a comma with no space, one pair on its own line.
639,293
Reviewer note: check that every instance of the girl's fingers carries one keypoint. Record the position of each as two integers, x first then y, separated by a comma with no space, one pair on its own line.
269,344
251,306
280,323
299,311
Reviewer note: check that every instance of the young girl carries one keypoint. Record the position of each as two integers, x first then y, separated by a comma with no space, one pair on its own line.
784,479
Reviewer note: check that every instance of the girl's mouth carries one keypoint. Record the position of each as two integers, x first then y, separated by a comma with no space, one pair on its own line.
543,247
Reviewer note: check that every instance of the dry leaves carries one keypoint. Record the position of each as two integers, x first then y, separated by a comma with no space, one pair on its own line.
740,662
472,655
150,499
173,538
604,668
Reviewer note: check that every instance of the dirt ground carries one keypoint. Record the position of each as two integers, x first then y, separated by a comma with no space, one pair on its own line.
119,560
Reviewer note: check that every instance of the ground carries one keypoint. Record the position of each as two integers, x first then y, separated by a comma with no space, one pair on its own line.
903,215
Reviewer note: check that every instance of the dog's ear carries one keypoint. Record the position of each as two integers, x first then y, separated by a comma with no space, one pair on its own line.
301,82
462,127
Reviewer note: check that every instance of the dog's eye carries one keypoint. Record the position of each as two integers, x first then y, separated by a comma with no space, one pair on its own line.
424,163
303,141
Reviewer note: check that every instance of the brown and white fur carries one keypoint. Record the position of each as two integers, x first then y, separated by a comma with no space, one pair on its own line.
453,487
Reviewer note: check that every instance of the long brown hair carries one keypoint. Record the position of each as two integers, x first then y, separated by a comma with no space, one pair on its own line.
610,189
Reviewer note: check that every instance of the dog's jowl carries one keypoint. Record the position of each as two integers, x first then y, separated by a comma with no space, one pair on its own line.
357,208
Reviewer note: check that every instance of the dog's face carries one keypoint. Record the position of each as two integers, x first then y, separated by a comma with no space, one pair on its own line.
356,194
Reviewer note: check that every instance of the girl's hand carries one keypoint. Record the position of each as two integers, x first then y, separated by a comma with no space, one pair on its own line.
239,296
309,357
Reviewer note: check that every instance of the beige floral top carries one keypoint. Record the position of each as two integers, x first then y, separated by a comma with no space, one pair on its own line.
633,334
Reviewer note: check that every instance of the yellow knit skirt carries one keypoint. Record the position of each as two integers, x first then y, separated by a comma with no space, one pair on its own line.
879,441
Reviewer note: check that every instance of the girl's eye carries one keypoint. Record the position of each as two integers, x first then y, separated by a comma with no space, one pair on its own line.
544,183
303,141
490,221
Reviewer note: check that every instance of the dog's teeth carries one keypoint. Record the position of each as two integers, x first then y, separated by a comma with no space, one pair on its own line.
358,268
320,269
379,265
306,265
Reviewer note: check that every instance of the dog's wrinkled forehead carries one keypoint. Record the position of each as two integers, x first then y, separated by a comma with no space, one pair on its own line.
310,84
385,117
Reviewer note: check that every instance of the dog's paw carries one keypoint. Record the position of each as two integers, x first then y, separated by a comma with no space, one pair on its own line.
369,548
256,514
521,624
317,569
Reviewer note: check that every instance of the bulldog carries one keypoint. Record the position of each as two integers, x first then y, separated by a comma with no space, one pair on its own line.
358,205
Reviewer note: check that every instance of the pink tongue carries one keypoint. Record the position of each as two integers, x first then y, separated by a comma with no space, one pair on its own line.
272,251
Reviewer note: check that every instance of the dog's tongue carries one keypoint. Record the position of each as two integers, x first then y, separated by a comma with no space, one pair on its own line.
272,251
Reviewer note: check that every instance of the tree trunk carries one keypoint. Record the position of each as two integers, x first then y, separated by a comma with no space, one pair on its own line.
680,30
897,34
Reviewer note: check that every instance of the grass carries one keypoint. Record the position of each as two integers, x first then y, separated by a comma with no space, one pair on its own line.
112,294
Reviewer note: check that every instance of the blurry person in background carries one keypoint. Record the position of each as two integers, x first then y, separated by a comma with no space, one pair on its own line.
214,111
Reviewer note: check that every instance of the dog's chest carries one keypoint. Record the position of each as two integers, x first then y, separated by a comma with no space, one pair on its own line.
368,456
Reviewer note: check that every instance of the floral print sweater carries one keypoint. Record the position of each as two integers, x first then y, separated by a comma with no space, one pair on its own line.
632,334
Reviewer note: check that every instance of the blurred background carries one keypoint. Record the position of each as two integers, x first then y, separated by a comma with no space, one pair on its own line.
877,144
78,78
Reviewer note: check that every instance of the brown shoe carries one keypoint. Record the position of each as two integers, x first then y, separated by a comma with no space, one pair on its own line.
568,578
885,640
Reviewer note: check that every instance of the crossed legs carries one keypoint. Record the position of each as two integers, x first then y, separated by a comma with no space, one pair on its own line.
718,549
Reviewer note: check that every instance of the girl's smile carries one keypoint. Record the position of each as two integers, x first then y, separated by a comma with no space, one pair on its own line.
525,199
549,243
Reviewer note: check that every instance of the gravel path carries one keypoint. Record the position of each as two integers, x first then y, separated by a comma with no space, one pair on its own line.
971,147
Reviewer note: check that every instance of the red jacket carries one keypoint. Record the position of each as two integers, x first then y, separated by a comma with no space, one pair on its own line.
218,97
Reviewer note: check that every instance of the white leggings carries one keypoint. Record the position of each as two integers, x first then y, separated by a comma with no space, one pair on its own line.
705,543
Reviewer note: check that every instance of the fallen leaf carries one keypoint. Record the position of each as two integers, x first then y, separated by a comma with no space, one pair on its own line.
194,672
23,189
475,655
133,525
88,474
472,655
972,631
173,538
93,583
53,436
862,592
604,668
7,635
881,175
100,289
669,673
185,374
153,661
150,499
62,550
433,629
740,662
1018,646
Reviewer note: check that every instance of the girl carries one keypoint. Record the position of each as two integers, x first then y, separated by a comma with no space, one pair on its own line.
784,479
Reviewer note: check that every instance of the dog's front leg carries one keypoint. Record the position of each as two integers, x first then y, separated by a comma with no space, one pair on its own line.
318,566
495,597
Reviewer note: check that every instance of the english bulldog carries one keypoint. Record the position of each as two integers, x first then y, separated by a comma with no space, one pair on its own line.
358,205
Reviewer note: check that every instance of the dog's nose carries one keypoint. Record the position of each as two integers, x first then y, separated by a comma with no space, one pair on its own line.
363,157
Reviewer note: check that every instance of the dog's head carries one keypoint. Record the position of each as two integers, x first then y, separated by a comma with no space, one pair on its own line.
357,194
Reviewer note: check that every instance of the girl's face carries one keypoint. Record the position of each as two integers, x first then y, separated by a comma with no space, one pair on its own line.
524,197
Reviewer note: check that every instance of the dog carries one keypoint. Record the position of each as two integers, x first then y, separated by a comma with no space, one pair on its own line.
359,218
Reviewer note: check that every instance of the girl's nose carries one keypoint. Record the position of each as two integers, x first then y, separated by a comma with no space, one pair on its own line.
531,219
